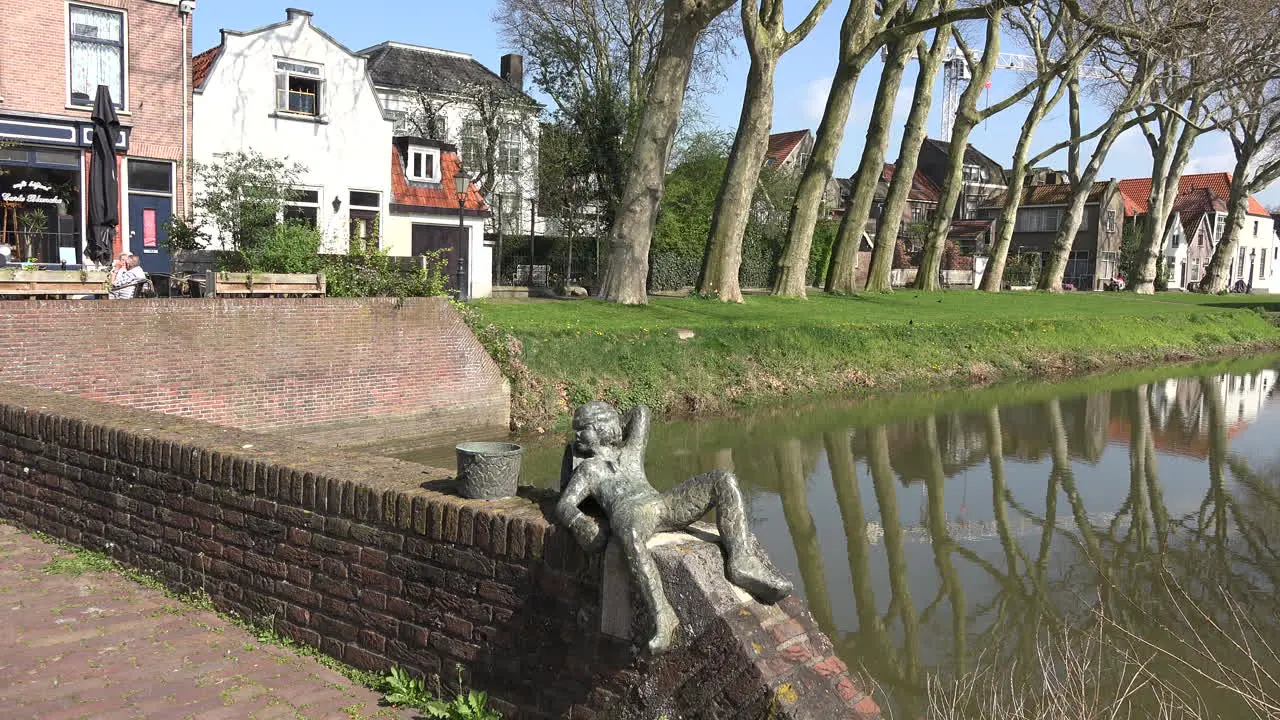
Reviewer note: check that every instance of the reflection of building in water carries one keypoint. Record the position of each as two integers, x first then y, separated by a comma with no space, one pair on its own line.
1180,418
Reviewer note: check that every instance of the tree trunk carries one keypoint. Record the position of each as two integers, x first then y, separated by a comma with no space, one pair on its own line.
993,276
878,276
967,117
793,266
952,187
632,231
723,256
1171,153
842,276
1051,275
1216,277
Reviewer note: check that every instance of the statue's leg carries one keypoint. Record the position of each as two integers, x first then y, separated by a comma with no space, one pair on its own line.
635,548
718,489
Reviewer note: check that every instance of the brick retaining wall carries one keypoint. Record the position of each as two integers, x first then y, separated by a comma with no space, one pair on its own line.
349,371
373,561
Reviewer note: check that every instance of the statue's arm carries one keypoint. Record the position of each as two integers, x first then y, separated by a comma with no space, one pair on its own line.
584,527
636,429
568,463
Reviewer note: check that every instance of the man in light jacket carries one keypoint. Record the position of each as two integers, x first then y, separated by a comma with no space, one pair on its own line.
126,277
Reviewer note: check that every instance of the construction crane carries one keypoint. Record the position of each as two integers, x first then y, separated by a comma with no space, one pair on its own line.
957,72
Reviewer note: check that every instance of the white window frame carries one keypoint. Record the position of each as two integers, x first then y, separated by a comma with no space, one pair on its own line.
511,148
319,191
1038,220
466,137
1111,220
376,209
286,73
426,152
122,103
353,206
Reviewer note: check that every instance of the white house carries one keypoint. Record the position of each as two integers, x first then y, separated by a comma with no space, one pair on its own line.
292,91
415,82
1269,263
1198,223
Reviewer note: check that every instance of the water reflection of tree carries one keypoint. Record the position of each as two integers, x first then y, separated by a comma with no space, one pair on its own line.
1144,581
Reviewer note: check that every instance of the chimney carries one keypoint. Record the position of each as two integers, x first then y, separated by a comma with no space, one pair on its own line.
513,70
294,13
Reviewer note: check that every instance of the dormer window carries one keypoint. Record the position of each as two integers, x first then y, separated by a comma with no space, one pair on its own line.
975,174
422,164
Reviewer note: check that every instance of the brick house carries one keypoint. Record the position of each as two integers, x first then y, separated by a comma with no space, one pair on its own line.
53,56
922,201
1095,255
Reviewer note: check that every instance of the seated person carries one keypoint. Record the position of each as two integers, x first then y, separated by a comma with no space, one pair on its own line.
126,277
607,465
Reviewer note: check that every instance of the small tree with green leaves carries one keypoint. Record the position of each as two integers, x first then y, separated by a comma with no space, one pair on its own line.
243,196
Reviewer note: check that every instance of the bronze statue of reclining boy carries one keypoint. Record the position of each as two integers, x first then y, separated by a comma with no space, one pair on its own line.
605,462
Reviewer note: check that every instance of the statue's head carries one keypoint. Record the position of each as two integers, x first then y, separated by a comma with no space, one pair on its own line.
596,425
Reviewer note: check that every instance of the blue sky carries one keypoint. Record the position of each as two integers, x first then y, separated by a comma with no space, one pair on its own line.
802,81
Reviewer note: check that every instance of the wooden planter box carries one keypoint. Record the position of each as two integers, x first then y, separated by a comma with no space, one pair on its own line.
225,284
15,282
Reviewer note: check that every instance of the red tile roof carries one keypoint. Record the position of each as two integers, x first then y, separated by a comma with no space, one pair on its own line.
201,65
781,145
1137,191
432,196
922,188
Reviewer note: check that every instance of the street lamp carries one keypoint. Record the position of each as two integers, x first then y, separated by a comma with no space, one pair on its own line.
461,184
1252,254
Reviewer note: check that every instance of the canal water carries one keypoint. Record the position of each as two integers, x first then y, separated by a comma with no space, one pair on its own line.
1105,541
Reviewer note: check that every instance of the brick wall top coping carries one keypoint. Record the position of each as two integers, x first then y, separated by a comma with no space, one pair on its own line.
370,488
738,658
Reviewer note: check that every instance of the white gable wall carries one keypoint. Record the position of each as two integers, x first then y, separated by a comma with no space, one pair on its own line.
349,148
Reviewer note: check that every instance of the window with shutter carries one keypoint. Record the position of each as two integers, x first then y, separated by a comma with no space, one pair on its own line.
298,88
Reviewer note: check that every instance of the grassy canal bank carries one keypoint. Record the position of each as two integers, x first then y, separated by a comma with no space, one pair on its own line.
561,353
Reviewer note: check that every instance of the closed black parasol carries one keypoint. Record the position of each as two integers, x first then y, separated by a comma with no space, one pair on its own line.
104,183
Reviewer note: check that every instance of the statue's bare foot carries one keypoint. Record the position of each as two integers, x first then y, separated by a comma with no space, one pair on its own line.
752,575
668,626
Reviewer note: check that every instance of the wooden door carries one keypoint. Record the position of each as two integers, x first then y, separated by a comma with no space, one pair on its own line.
449,241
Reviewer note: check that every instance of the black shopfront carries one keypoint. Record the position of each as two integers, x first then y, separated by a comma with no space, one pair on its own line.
42,176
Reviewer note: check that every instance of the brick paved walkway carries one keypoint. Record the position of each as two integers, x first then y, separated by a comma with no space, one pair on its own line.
100,646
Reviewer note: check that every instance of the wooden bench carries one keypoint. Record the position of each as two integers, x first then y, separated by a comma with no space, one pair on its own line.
27,283
228,284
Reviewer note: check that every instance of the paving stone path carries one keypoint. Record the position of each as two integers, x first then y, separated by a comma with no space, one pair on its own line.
100,646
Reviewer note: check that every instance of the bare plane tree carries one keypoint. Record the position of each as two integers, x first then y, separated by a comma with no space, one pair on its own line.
1250,111
632,232
866,28
1048,39
843,271
763,26
913,137
967,117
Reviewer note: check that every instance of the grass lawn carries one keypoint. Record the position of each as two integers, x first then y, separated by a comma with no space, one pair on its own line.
573,351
